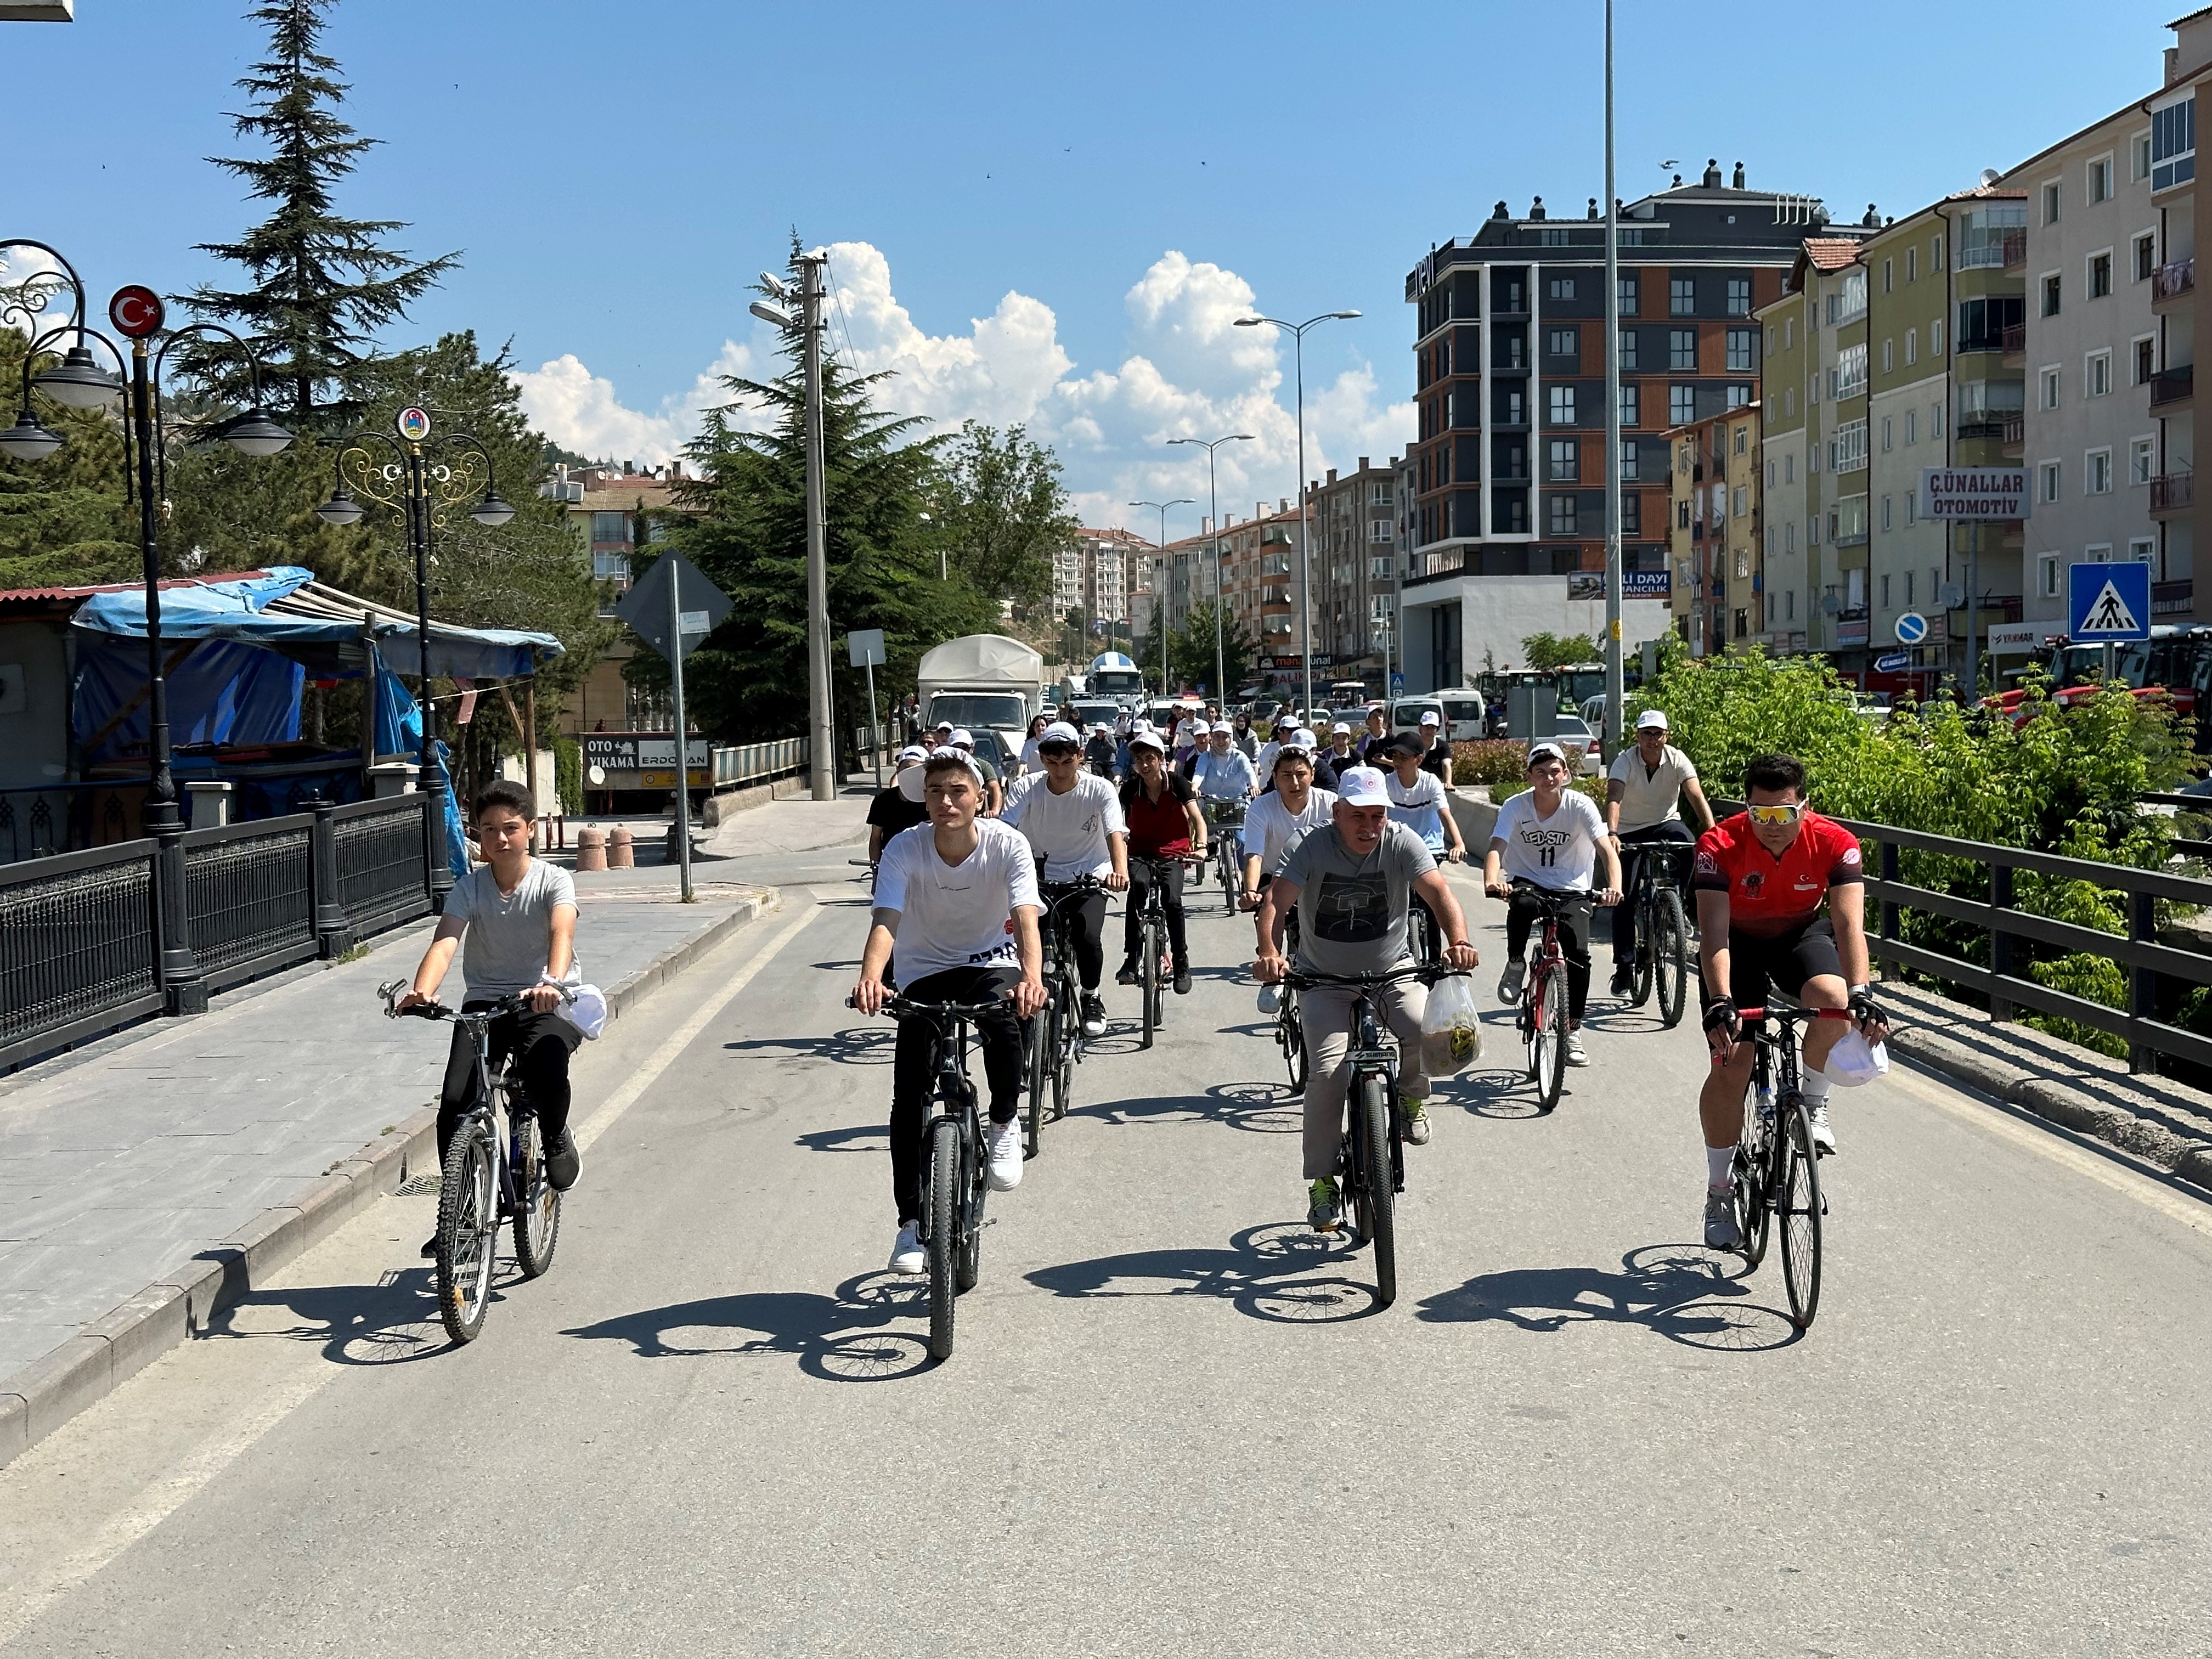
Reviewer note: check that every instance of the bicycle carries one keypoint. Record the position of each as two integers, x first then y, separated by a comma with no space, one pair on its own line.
1224,822
1056,1042
1662,930
1778,1173
1152,940
869,865
957,1176
1371,1157
485,1180
1544,998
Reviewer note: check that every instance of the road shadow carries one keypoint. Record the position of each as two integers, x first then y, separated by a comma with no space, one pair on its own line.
1684,1293
392,1321
844,1337
1281,1272
1258,1108
860,1138
858,1045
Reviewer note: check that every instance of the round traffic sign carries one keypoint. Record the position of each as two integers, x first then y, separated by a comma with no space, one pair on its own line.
136,311
413,424
1911,627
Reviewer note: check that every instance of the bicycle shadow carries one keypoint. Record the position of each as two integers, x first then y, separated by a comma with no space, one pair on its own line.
844,1337
1280,1272
860,1138
1679,1291
859,1045
393,1321
1259,1108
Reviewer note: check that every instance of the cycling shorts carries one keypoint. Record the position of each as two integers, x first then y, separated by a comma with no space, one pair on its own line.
1759,964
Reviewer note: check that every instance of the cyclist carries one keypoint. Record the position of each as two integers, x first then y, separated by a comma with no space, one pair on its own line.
518,916
1760,878
1642,804
1417,800
1073,823
898,804
994,788
1289,809
956,920
1350,884
1340,752
1030,764
1551,836
1436,749
1223,772
1098,753
1164,822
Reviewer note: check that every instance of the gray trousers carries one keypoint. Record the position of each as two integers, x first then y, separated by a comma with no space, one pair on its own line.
1325,1012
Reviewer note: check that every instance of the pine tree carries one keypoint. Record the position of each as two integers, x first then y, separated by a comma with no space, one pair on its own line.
321,284
64,519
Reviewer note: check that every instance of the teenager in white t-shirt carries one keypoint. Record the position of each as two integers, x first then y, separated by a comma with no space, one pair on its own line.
1073,824
956,920
1277,822
1644,794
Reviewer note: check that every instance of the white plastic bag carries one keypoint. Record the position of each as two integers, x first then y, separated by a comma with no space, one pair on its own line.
586,1010
1854,1060
1451,1028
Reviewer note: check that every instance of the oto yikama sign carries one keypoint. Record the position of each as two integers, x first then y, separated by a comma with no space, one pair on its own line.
1967,493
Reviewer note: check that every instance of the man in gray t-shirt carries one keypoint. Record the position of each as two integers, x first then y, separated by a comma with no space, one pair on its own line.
1350,882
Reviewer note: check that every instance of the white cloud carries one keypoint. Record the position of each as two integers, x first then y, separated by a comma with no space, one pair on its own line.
20,267
1188,371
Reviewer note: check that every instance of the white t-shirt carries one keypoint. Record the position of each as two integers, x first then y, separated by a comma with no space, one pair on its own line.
1068,832
1560,851
1420,806
509,934
955,916
1650,796
1271,827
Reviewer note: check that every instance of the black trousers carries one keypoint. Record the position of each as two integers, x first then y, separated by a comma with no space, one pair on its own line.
912,1081
541,1045
1623,914
1523,914
1141,878
1085,922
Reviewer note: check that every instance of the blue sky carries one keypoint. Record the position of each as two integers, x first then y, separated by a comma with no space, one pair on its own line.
1103,186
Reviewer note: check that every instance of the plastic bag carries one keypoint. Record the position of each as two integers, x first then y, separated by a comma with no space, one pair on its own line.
1854,1060
1451,1028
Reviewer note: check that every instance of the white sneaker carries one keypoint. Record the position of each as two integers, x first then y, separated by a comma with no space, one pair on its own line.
1270,998
1824,1137
905,1252
1576,1055
1006,1155
1509,982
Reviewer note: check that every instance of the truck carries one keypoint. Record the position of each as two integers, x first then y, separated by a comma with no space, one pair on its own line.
982,681
1113,676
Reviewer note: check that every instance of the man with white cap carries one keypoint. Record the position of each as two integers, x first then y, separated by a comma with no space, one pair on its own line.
1341,753
898,804
1436,749
994,792
1642,804
1550,837
1072,821
1351,884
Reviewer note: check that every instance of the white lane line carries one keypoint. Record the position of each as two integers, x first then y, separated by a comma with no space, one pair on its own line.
643,1078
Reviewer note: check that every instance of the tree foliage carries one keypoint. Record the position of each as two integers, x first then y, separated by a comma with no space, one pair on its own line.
1190,652
1001,511
1549,651
65,519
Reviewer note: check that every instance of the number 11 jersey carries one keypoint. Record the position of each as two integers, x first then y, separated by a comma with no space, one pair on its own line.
1560,851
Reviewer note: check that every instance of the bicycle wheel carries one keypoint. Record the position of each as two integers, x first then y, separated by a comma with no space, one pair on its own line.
1150,988
1291,1036
468,1231
1753,1155
1042,1053
1646,932
1377,1221
941,1231
978,1189
1547,1041
1670,957
1067,1039
538,1206
1798,1199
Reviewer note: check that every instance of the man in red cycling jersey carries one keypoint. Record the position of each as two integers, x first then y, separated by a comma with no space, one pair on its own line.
1760,877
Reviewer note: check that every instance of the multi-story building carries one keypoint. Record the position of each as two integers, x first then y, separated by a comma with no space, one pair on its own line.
1355,573
1715,544
2167,155
1092,576
1509,474
610,510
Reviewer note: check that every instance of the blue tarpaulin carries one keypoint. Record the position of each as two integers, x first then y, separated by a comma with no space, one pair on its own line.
220,692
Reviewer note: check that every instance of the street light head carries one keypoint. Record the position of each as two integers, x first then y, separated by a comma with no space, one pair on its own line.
27,440
77,381
255,434
774,284
768,314
1344,316
491,511
1250,322
340,509
1241,437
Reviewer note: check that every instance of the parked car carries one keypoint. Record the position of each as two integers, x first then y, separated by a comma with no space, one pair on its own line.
1461,708
1574,732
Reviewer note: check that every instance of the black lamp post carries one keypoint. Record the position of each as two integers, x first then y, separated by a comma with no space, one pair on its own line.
79,382
427,478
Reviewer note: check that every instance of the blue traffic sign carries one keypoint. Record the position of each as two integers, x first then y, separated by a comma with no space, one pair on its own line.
1894,662
1397,684
1911,629
2108,604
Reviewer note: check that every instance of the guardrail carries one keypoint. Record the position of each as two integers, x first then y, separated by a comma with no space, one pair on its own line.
756,762
46,819
78,948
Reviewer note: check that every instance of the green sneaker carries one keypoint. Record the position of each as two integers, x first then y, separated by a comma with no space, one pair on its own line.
1326,1212
1416,1114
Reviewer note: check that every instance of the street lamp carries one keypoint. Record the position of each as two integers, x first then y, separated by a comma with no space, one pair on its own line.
1213,501
1305,516
426,479
1159,596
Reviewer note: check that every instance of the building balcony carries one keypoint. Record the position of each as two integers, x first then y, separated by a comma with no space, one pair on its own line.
2012,340
2172,599
1991,425
2172,280
2172,492
1992,608
2015,436
2174,386
1999,253
1850,538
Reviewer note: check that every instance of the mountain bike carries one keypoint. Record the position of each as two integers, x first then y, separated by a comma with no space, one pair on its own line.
1371,1157
486,1179
1776,1172
957,1176
1056,1042
1225,821
1544,998
1154,967
1662,932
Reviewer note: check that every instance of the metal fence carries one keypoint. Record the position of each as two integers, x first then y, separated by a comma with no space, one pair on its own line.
46,819
249,897
78,951
380,875
756,762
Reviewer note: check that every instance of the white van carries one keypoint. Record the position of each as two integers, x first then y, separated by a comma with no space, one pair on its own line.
1461,708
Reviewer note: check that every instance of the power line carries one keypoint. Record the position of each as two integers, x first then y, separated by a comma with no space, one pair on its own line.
844,327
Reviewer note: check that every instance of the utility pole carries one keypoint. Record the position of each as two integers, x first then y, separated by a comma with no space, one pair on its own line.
817,555
1615,686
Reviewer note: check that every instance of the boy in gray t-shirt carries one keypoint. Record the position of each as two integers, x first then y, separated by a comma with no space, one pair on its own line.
518,915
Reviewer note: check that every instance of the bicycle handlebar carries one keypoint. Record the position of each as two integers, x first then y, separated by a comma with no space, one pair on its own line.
902,1007
1428,972
515,1004
1789,1015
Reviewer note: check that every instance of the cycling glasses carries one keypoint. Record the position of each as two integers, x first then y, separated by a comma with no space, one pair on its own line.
1787,813
1057,750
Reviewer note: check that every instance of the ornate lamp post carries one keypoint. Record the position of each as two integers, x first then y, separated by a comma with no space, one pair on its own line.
425,480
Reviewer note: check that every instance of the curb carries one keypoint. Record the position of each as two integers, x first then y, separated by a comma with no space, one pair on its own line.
41,1396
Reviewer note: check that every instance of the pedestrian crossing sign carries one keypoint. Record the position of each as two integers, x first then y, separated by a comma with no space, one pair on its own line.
2108,603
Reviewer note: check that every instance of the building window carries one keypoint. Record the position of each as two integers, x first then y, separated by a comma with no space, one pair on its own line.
1631,515
1812,531
1936,338
1935,422
1552,236
2097,380
1562,288
1771,474
1911,427
2101,179
1850,372
2100,275
2174,144
1911,347
1884,576
2050,294
1562,342
2141,150
2048,383
610,564
1789,469
1848,452
1739,297
2143,550
1561,464
1790,536
1885,275
1630,471
2050,481
610,527
1682,296
1740,506
1743,440
1628,348
1682,515
1935,251
1559,515
2142,457
2046,565
2051,204
1888,359
1563,406
1885,434
1912,518
1631,405
1628,297
2146,256
1912,264
1682,348
1788,333
2096,473
1740,355
1381,494
1682,404
1738,397
1378,530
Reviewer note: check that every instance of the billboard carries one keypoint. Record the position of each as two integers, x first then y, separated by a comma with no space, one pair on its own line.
1986,494
1634,585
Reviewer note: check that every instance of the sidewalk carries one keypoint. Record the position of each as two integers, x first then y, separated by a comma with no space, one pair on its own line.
156,1152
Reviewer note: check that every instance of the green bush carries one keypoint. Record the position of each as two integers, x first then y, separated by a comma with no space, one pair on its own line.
1594,787
568,774
1493,761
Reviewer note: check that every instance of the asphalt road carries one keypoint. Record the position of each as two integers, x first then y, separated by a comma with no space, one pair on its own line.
1175,1424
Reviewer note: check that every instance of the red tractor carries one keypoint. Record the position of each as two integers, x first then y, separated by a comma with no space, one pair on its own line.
2174,662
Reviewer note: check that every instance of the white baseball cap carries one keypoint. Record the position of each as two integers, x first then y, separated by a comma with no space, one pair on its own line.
1060,731
1361,785
942,726
946,752
1298,740
1546,750
960,738
1339,726
1200,729
910,754
1430,717
1650,718
1147,739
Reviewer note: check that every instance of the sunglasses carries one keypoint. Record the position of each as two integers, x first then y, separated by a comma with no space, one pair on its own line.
1787,812
1056,750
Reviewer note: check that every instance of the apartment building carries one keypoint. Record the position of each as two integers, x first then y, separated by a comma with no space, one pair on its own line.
1093,574
1509,351
1355,571
1715,542
613,512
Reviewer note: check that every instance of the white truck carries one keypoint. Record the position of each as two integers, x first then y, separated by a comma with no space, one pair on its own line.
982,681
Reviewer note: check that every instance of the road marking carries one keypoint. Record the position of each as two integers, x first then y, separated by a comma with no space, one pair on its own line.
622,1098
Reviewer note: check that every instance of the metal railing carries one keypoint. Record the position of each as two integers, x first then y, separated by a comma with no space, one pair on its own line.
1995,254
756,762
377,861
2172,491
250,898
78,950
2173,279
2173,385
46,819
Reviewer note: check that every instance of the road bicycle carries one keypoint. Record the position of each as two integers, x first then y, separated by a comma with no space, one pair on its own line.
1371,1157
1224,822
1153,967
1056,1042
956,1175
487,1179
1777,1171
1544,998
1662,931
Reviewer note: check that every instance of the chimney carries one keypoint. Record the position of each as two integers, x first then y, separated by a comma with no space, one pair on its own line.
1363,464
1593,207
1712,173
1678,181
675,470
1498,212
1536,207
1331,474
1738,175
1873,220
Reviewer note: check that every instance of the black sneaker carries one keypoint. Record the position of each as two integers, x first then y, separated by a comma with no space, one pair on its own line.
1129,975
1094,1017
563,1163
1182,979
1624,980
